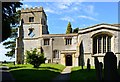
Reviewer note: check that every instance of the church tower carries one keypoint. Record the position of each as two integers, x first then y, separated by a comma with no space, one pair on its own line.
33,26
34,22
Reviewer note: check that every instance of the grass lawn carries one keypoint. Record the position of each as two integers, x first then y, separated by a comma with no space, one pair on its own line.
79,74
27,72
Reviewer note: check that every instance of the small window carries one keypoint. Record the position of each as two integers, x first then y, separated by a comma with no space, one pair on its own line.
55,54
46,41
44,23
68,41
31,19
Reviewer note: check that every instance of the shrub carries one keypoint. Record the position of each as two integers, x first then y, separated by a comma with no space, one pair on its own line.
35,58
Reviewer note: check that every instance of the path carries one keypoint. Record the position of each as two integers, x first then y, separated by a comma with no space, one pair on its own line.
64,76
5,75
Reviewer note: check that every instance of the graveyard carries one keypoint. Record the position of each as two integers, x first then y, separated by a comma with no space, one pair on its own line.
107,71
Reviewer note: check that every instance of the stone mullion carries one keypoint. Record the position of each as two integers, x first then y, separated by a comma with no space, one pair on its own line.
102,45
106,44
97,46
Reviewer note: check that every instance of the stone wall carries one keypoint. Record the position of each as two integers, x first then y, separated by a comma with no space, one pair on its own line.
85,35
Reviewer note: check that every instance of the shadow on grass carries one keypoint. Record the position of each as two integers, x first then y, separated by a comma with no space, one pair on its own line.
83,75
33,74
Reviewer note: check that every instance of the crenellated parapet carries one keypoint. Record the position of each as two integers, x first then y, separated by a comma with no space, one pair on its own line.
36,9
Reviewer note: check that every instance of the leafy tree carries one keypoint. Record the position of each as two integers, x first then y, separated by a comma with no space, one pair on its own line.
75,30
35,58
9,17
69,28
11,43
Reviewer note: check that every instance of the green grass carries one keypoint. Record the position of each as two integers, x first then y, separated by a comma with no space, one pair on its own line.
27,72
79,74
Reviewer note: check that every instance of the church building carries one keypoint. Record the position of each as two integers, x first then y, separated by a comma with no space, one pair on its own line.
67,49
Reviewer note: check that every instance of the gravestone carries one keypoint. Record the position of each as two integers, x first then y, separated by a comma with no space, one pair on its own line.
119,65
98,67
88,64
100,70
110,66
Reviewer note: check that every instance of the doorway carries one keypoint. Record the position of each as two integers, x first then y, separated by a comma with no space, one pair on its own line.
68,59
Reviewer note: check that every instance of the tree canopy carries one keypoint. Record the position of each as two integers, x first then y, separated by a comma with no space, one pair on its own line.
11,44
69,28
9,17
76,30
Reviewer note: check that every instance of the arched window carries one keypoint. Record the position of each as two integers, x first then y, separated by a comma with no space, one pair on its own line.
101,43
55,54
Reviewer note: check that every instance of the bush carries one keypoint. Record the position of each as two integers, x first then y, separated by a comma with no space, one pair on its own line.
35,58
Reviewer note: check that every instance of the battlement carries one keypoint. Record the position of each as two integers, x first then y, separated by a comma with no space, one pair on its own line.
36,9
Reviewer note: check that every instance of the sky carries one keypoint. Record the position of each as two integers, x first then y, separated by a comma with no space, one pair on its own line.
80,14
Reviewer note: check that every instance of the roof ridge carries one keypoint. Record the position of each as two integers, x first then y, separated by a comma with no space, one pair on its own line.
116,25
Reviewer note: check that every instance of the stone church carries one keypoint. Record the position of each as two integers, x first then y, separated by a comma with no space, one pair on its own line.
67,49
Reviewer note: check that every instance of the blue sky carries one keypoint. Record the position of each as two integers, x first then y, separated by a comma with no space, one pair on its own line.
80,14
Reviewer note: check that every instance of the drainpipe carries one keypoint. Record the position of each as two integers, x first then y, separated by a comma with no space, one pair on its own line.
52,49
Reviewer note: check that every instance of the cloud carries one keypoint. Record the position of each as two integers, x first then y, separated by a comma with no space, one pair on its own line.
67,0
26,6
67,18
87,17
89,9
75,8
49,10
63,5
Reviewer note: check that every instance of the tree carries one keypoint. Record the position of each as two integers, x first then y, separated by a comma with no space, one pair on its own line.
69,28
35,58
75,30
9,17
11,44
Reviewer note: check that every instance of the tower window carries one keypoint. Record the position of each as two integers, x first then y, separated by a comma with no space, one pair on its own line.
31,19
44,23
31,34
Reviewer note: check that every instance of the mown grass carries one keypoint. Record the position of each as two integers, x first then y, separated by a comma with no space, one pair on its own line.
27,72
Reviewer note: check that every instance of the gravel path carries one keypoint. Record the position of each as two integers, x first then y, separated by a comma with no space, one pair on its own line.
64,76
